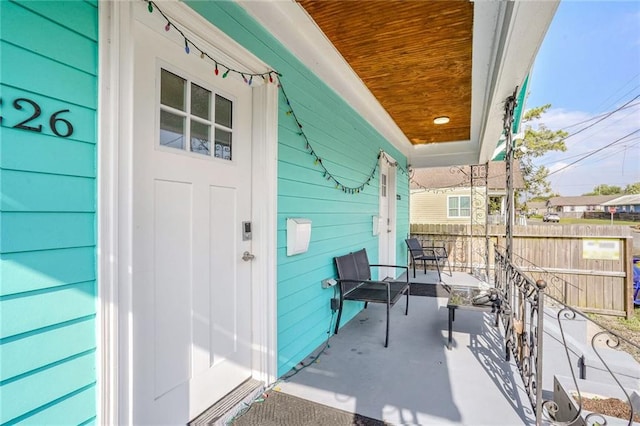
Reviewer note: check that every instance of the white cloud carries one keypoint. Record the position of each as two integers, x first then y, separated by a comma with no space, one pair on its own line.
617,165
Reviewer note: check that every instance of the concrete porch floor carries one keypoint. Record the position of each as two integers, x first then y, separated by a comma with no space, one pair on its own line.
416,380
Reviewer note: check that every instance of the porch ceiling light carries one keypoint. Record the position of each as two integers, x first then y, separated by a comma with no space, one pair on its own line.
441,120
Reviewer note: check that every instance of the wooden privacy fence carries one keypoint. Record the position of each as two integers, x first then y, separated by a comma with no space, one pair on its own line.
586,266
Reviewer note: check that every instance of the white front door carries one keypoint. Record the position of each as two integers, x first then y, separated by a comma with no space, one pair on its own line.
387,236
191,289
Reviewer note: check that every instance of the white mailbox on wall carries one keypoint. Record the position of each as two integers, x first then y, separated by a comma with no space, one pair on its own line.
298,235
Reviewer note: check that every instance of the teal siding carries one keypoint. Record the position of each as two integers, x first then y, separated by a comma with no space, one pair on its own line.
342,222
48,52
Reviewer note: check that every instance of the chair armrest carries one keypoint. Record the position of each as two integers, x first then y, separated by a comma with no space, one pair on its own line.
364,281
439,251
392,266
406,268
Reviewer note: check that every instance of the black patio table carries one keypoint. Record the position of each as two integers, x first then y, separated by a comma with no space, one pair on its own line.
461,297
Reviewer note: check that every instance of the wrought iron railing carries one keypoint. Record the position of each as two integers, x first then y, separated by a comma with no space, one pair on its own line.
523,308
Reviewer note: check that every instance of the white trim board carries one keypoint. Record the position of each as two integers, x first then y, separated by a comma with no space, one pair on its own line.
114,202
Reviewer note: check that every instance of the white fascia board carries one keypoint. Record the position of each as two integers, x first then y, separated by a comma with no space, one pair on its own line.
293,27
444,154
525,24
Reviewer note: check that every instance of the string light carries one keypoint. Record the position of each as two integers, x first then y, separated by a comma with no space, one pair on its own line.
317,161
152,6
269,75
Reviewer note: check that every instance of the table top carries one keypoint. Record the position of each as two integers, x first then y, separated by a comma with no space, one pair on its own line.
462,297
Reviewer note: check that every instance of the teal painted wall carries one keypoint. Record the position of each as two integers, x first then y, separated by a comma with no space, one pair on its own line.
48,54
342,222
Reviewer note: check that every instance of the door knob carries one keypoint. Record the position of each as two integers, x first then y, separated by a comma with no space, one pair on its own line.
246,256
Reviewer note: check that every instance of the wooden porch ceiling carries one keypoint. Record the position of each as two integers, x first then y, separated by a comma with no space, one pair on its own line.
415,56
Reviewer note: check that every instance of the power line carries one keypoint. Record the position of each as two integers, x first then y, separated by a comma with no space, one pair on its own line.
624,149
582,153
621,88
598,116
603,118
594,152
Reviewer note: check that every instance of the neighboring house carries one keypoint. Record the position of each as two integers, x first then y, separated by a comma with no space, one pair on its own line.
151,155
536,207
446,194
625,203
575,206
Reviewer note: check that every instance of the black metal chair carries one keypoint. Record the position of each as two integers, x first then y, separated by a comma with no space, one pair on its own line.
354,279
435,254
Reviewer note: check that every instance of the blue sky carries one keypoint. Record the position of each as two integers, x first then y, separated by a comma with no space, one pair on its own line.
588,65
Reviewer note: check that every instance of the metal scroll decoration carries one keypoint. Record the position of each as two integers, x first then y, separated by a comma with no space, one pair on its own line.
612,340
523,302
509,108
479,214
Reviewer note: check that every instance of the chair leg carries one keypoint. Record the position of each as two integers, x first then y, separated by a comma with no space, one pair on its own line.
338,319
438,268
413,262
406,311
386,338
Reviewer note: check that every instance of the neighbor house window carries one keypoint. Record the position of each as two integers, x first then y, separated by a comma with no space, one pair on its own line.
459,206
191,116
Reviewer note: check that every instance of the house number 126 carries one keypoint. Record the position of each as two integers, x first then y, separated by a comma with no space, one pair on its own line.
59,126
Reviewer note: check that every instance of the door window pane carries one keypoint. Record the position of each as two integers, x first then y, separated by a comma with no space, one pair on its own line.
200,102
171,130
383,185
200,138
172,90
223,144
187,121
223,111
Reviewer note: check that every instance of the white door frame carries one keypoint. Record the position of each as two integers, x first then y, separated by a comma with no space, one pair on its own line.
389,229
114,214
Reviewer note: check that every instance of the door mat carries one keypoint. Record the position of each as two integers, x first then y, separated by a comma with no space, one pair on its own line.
429,290
278,409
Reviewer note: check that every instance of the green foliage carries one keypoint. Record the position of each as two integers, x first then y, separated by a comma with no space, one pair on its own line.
582,221
537,142
632,188
605,190
495,203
